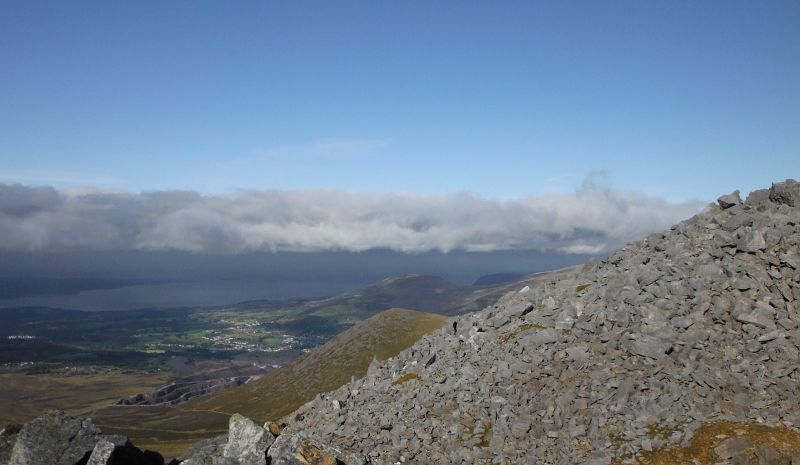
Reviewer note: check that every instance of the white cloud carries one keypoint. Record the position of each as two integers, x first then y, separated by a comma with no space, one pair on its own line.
593,220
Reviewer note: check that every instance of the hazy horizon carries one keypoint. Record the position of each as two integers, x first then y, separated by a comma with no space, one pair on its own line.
198,280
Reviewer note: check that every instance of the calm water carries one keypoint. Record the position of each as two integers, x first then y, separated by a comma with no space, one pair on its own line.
190,294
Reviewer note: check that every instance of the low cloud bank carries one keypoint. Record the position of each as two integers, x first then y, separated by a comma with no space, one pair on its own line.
590,221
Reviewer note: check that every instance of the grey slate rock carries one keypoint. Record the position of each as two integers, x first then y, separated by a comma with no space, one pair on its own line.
733,446
785,193
203,452
752,242
761,317
287,448
247,441
54,438
101,454
6,446
649,346
730,200
566,318
537,337
117,450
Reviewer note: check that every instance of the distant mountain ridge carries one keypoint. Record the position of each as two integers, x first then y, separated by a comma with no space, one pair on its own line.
497,278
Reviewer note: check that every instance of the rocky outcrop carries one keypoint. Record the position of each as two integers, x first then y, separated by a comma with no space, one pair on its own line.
54,438
58,439
250,444
204,452
8,436
245,444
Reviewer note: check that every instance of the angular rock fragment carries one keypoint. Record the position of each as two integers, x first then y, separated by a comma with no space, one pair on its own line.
733,446
203,452
730,200
537,337
309,454
752,242
649,346
247,441
116,450
762,317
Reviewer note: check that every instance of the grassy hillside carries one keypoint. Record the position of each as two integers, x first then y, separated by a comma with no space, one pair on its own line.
326,368
76,391
172,429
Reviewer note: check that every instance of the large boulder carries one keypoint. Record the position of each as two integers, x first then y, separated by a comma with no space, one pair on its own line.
293,447
204,452
245,444
247,441
117,450
6,446
55,439
58,439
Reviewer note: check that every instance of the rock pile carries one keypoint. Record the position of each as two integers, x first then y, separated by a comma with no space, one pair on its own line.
696,324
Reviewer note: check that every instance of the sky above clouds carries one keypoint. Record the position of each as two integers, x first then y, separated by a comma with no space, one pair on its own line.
681,100
230,128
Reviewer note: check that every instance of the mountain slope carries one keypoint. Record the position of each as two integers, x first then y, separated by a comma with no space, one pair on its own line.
328,367
684,333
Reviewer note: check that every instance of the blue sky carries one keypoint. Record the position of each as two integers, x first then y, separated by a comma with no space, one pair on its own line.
678,100
316,147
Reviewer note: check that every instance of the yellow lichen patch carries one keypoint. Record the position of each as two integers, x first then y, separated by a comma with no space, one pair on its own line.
486,437
524,327
582,287
710,435
404,378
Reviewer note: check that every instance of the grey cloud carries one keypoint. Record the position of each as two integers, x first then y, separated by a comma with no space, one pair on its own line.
18,201
593,220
